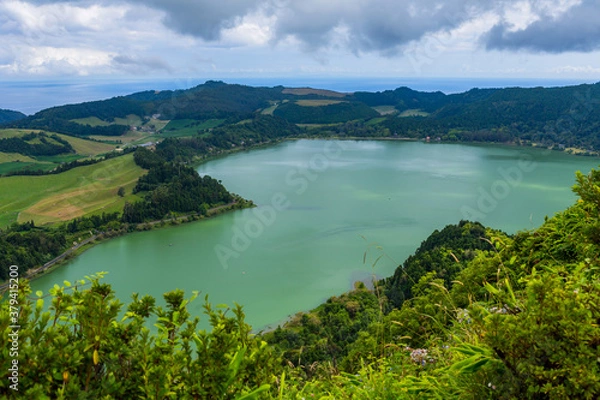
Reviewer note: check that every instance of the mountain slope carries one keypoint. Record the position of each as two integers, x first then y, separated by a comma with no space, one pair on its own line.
560,116
9,116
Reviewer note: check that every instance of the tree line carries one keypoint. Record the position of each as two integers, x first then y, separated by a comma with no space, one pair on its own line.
172,188
45,147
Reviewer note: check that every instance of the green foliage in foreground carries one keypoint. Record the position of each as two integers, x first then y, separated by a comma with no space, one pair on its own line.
519,319
81,349
493,316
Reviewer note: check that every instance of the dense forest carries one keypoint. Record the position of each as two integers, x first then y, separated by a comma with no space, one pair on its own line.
29,246
327,114
61,125
473,314
262,129
172,188
10,115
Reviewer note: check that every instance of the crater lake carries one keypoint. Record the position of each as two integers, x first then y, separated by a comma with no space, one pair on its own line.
328,213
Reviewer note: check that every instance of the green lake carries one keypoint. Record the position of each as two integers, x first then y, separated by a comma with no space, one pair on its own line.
323,206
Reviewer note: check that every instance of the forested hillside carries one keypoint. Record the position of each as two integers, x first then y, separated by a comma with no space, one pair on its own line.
10,115
473,314
560,117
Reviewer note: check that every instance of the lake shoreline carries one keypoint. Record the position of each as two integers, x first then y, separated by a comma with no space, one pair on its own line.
279,262
71,253
101,237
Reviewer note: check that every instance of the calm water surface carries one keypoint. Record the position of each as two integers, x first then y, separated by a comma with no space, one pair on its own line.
321,206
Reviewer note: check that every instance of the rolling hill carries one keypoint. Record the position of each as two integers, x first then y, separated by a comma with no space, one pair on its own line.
9,116
560,116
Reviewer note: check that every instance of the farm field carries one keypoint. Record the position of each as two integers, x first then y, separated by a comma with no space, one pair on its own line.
129,137
318,103
307,91
91,121
8,133
269,110
10,162
385,110
131,120
81,191
413,113
14,157
81,146
10,166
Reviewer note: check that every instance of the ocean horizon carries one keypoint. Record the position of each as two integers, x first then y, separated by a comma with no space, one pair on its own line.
32,96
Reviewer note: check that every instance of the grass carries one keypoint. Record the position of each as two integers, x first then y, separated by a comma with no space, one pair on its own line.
269,110
63,158
137,136
413,113
128,137
81,146
8,133
87,147
317,103
157,124
17,165
12,157
385,110
80,191
91,121
130,120
307,91
10,162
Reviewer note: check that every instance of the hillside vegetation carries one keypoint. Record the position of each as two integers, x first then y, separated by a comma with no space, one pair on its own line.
9,115
35,152
68,195
561,117
473,314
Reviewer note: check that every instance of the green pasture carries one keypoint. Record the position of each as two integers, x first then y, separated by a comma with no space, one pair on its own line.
80,191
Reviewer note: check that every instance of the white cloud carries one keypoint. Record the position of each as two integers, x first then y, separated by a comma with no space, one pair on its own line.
255,29
519,15
82,39
52,60
60,18
147,37
581,69
555,8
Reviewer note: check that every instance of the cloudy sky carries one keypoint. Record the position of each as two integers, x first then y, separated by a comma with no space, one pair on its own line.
295,38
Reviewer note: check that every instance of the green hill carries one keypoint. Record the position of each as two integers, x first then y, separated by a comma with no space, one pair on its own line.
9,116
563,117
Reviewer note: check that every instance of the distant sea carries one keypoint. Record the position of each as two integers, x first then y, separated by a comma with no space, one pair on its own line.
35,95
